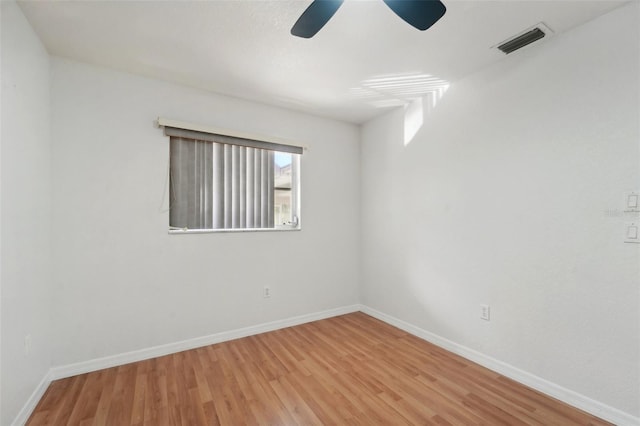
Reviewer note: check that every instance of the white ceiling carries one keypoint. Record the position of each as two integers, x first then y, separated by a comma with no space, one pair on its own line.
244,49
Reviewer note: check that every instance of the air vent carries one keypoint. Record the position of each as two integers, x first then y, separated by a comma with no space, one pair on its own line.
527,37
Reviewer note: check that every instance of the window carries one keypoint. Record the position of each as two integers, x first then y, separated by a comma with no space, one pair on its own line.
220,182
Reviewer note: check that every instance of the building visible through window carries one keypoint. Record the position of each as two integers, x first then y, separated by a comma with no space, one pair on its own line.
283,188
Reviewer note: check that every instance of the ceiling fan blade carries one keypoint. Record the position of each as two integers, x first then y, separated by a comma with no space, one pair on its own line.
313,19
419,13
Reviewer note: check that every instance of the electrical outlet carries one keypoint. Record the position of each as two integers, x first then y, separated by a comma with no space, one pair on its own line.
632,234
27,345
266,292
485,312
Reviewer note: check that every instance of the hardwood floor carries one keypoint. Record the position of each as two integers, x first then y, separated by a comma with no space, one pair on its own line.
347,370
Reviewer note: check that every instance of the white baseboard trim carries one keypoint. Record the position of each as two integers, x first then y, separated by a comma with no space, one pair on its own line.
33,400
197,342
139,355
570,397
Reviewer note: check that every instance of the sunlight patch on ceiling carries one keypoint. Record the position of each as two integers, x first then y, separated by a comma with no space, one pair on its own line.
399,90
417,93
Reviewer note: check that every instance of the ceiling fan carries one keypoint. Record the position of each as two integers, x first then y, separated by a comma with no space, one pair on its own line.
420,14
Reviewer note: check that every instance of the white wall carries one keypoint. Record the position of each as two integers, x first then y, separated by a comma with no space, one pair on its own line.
511,195
26,211
122,283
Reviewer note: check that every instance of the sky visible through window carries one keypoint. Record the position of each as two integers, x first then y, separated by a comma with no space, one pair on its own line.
282,158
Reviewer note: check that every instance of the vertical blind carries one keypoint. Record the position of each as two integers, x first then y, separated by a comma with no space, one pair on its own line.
221,182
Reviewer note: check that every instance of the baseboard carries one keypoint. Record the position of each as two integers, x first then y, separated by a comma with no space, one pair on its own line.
161,350
33,400
570,397
156,351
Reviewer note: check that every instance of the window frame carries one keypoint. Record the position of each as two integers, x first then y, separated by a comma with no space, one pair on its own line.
171,128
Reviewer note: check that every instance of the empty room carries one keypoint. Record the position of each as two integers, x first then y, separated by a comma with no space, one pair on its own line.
308,212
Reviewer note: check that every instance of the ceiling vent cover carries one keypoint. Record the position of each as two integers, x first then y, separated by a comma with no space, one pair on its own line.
528,37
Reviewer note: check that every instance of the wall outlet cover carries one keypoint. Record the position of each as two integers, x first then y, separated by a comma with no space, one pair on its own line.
485,312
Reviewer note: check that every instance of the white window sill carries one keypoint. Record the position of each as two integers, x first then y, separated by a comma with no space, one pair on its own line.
224,231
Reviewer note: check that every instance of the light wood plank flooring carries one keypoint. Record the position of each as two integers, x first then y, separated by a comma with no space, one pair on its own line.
347,370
